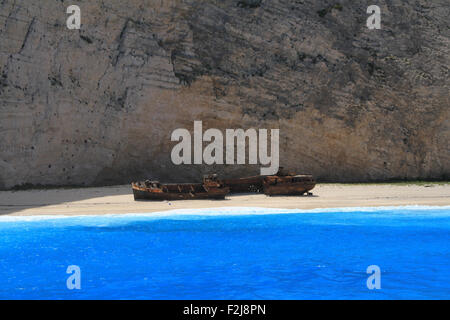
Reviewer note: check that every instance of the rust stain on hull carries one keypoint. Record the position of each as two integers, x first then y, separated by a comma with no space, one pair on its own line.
211,188
214,188
289,184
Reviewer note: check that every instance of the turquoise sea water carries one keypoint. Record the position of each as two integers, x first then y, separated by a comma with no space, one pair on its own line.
230,254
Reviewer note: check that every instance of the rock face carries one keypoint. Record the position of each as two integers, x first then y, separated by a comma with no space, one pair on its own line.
98,105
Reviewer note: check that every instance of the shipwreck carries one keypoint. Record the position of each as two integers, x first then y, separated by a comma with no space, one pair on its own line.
281,184
210,188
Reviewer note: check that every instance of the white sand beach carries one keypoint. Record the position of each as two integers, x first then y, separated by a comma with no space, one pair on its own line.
119,199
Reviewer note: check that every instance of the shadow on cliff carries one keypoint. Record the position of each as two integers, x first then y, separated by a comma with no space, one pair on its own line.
15,201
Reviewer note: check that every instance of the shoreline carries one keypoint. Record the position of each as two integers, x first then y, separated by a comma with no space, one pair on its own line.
223,211
119,200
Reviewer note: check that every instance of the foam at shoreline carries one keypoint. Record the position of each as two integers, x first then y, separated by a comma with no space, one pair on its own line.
222,211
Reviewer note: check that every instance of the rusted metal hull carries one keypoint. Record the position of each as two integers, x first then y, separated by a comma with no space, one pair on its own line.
214,188
291,189
290,184
178,192
245,185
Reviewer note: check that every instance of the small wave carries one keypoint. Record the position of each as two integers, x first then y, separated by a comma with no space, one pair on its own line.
221,211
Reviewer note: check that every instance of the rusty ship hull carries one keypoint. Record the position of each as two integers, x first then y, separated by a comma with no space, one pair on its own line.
153,190
148,194
214,188
289,184
252,184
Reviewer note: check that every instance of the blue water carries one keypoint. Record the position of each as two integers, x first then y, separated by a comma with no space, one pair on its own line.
308,255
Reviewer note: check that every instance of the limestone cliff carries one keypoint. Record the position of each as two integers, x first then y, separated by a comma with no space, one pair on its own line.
98,105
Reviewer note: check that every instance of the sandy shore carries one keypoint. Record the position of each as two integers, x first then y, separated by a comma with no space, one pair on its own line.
113,200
